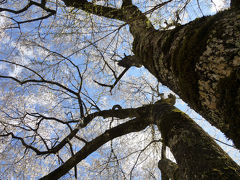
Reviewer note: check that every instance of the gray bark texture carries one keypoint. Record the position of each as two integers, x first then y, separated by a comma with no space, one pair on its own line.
200,62
197,154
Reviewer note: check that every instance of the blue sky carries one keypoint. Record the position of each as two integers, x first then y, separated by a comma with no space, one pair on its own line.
106,101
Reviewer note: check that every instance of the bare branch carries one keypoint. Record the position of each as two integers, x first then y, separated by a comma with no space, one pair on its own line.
116,81
37,19
2,60
135,125
22,141
39,81
41,5
141,151
107,12
119,113
21,10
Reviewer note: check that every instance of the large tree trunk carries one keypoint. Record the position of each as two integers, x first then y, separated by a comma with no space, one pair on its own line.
197,154
199,61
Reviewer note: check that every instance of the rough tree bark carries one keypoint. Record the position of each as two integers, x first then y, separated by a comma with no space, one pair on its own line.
197,154
199,61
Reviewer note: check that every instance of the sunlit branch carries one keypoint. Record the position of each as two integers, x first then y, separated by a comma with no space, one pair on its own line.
41,5
72,153
65,58
116,81
107,12
135,125
141,151
37,115
27,146
157,7
120,113
39,81
37,19
2,60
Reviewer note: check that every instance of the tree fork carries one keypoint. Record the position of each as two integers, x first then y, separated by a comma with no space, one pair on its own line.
197,154
199,61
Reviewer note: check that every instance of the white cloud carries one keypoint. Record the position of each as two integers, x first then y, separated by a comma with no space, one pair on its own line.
16,71
218,5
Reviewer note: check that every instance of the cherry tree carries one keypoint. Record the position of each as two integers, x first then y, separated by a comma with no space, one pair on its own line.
83,88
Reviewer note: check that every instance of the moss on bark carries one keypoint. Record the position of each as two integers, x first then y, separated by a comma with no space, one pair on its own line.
196,153
229,104
191,59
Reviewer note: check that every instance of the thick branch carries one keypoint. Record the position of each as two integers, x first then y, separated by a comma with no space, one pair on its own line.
41,5
169,169
27,146
21,10
196,153
128,13
107,12
164,175
129,61
118,113
135,125
200,62
186,139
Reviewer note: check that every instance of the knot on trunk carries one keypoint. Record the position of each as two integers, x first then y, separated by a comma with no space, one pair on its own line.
129,61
